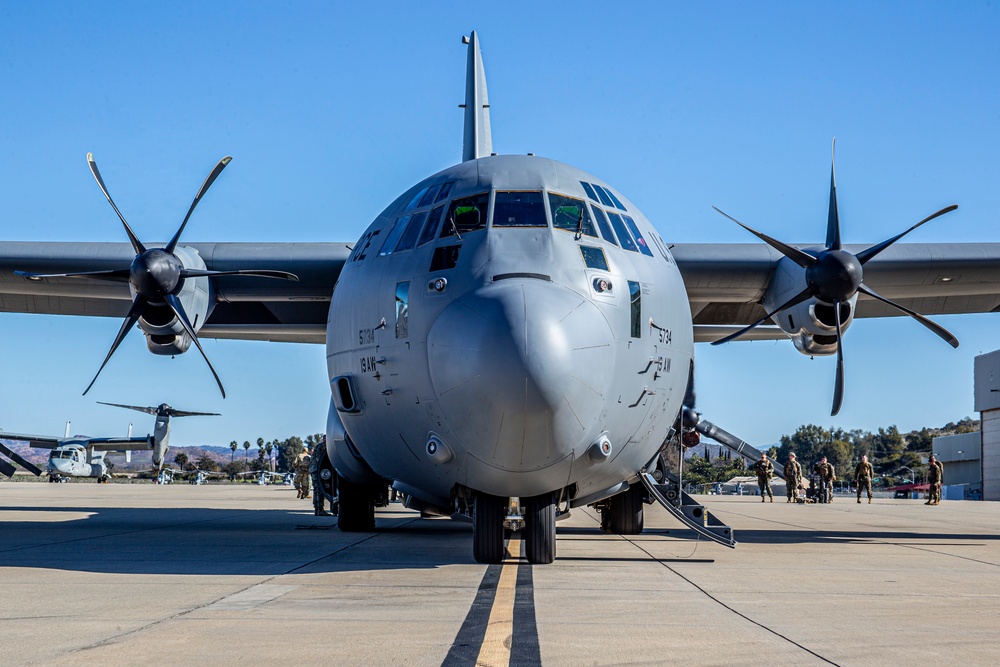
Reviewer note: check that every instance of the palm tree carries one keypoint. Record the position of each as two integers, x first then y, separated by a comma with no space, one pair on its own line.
270,464
246,455
232,459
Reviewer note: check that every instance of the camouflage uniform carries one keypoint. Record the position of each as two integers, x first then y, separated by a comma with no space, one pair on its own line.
827,476
935,475
764,470
315,465
793,478
863,475
302,476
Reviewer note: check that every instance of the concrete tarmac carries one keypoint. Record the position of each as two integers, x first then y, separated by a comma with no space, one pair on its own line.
241,574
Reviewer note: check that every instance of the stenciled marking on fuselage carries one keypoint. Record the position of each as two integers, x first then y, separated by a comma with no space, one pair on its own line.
368,364
366,337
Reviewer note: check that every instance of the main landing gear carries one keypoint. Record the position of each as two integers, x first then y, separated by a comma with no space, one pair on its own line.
488,516
622,514
356,505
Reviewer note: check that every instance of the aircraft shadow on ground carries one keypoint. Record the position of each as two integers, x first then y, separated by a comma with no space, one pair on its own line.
202,542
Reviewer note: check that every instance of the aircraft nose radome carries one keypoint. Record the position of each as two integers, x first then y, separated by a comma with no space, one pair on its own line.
519,369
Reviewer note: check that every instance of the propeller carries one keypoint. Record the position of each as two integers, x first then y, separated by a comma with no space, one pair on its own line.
834,276
162,410
157,275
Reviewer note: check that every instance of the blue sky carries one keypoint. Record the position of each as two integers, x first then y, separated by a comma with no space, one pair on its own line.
330,110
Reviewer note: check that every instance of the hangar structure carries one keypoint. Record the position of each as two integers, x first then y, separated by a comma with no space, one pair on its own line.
987,404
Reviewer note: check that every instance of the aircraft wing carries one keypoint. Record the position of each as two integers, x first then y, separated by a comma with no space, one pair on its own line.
244,308
36,441
727,282
121,444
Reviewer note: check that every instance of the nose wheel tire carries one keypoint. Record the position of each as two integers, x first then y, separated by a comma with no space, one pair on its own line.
488,513
540,528
356,507
624,513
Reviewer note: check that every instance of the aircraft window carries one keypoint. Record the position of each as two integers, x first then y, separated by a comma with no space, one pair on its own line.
519,209
589,190
429,197
430,229
603,196
618,202
602,222
643,247
635,298
402,310
416,200
567,212
623,235
594,258
445,191
445,257
467,215
390,240
408,241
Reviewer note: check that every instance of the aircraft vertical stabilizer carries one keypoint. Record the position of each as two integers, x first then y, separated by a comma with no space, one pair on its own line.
478,141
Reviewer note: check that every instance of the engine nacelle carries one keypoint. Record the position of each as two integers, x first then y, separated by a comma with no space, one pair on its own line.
164,333
812,324
344,456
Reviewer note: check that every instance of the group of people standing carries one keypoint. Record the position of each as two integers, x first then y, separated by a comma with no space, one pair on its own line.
827,475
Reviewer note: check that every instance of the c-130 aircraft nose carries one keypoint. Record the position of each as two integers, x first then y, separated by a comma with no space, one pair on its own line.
519,368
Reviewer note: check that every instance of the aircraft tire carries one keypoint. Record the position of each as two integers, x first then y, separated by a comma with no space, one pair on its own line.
487,528
540,528
625,512
356,507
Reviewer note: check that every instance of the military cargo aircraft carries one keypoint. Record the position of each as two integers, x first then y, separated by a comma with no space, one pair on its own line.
511,337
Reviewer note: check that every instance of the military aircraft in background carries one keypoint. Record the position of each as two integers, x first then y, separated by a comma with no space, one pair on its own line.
511,337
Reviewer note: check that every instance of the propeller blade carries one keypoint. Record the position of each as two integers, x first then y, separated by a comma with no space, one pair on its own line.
197,198
175,305
114,274
148,411
870,253
136,243
945,335
261,273
794,301
803,259
186,413
130,319
833,218
838,387
20,460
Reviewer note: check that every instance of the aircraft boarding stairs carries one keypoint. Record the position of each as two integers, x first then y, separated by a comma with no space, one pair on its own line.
667,491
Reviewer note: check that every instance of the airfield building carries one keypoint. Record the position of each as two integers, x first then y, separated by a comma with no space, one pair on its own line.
987,399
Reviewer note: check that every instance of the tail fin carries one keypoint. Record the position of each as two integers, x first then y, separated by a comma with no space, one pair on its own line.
478,141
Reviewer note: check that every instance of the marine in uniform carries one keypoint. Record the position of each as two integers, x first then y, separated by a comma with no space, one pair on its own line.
793,478
764,470
315,465
935,475
827,476
863,475
302,474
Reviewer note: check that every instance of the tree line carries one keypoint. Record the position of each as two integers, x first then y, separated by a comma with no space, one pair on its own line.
276,455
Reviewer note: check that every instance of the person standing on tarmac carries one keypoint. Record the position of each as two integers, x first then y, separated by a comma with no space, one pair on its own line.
935,475
863,475
793,478
302,474
315,466
827,476
764,470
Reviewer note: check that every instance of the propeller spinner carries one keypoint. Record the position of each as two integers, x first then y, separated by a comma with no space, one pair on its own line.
834,276
157,275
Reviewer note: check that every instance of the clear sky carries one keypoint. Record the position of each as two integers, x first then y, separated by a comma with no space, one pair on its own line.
331,109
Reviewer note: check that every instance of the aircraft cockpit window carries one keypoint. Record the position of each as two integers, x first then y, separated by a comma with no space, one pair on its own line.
519,209
589,190
623,235
416,199
445,191
402,310
602,222
618,204
466,215
632,227
635,299
570,214
431,227
408,240
602,194
429,197
594,258
393,237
